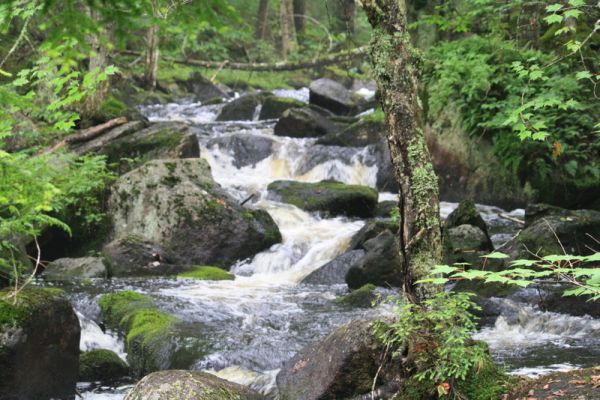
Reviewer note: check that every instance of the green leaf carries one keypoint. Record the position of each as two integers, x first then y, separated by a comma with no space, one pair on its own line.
552,8
592,258
583,75
553,19
435,281
572,13
472,274
443,269
495,255
577,3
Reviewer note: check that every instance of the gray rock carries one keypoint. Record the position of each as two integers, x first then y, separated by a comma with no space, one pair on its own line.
371,230
203,89
39,346
304,122
274,106
335,97
177,205
78,268
101,365
466,243
243,108
386,208
246,149
359,134
334,272
177,384
340,366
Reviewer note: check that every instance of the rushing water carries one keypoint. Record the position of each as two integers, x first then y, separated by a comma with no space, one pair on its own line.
264,316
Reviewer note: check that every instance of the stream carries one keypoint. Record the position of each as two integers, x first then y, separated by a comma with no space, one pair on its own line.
263,317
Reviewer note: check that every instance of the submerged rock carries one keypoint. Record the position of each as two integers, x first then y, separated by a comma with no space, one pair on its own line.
335,97
177,205
176,384
303,123
332,197
39,346
79,268
101,365
340,366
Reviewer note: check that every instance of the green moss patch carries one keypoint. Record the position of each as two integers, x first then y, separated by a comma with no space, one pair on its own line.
363,297
207,273
148,324
12,313
118,307
101,365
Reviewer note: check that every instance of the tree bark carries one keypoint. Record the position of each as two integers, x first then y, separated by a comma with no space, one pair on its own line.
289,42
262,19
396,66
152,56
344,15
299,12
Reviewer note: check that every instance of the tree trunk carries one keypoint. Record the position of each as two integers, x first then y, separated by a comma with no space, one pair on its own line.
396,68
288,31
152,56
90,107
343,15
262,19
299,12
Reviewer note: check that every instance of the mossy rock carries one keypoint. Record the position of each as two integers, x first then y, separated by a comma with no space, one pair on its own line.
274,106
331,197
363,297
243,108
207,273
359,134
466,214
101,365
116,307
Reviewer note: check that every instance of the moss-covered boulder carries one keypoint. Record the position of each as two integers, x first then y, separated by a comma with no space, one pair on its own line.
39,345
335,97
274,106
304,122
466,213
340,366
466,244
207,273
556,232
386,209
174,384
154,340
359,134
331,197
101,365
245,108
76,268
381,265
177,205
363,297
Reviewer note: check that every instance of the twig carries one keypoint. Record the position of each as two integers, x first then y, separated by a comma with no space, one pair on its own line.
513,219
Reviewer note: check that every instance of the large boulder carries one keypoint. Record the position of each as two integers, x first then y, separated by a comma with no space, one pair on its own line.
334,272
304,122
76,268
556,231
466,213
193,385
246,149
177,205
381,265
203,89
245,108
332,197
371,230
154,340
340,366
39,346
101,365
333,96
274,106
466,244
359,134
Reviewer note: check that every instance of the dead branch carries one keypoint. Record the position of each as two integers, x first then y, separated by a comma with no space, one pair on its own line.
95,131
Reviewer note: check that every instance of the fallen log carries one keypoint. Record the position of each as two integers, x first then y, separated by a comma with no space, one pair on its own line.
278,66
90,133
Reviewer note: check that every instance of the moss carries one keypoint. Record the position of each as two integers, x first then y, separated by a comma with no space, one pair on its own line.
27,301
118,307
362,297
101,364
148,324
485,383
207,273
113,108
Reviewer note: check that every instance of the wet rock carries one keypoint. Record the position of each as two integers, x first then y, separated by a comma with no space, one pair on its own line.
246,149
575,230
332,197
335,97
466,213
154,340
101,365
203,89
177,205
304,122
39,346
371,230
78,268
466,243
359,134
175,384
381,265
243,108
385,209
334,272
386,177
363,297
274,106
552,299
340,366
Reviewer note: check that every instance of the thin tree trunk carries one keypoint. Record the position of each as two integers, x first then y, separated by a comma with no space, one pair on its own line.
299,12
152,56
262,19
343,15
288,31
396,67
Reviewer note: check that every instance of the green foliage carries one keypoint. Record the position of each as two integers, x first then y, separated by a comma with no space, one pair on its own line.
437,335
581,272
